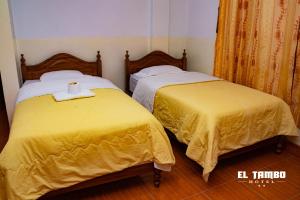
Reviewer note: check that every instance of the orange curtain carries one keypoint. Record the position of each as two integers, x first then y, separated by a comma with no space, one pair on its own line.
258,46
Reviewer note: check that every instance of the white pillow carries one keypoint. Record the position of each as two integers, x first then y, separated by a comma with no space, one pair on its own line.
59,75
140,75
160,69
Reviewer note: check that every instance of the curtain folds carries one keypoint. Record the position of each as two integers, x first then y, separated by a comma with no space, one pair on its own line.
258,46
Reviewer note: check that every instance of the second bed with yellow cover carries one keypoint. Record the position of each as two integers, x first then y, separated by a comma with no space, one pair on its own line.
216,117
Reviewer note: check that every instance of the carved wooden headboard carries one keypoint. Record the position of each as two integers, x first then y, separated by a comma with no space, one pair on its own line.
152,59
61,61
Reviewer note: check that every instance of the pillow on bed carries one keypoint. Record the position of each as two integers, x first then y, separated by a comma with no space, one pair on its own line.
160,69
62,74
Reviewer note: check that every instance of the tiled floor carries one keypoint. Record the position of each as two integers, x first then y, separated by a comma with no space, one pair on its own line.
185,181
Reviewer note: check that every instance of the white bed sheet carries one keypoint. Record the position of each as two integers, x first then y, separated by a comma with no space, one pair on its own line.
146,88
133,81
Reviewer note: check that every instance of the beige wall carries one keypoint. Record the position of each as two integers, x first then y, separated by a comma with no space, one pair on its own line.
201,54
176,46
193,27
8,68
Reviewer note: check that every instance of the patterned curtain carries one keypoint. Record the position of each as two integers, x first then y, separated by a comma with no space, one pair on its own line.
258,46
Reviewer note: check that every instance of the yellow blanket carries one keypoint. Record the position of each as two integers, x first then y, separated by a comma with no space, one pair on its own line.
58,144
216,117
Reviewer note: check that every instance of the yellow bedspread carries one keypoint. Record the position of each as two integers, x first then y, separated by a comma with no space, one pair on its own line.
58,144
216,117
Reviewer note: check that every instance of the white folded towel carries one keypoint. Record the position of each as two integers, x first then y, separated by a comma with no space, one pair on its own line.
63,96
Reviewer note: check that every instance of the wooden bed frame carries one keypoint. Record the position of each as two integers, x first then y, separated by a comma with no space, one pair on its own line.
160,58
61,61
64,61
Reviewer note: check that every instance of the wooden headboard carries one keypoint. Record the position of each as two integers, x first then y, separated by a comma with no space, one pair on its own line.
152,59
61,61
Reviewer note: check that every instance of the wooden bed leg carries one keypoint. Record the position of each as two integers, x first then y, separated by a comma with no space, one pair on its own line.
156,177
280,144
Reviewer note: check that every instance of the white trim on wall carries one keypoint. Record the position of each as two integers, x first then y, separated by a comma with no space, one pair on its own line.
9,74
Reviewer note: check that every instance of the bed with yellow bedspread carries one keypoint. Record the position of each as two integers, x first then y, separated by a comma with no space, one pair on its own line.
216,117
58,144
